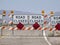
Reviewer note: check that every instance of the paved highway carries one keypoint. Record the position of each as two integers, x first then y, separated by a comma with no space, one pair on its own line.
27,37
22,40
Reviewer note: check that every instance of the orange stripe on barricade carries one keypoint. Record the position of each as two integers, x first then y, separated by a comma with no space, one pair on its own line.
10,22
15,28
45,22
23,28
29,28
54,28
42,28
11,28
50,29
32,28
3,27
45,28
45,16
39,28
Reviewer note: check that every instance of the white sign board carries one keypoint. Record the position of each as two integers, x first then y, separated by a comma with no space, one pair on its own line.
20,18
36,18
55,20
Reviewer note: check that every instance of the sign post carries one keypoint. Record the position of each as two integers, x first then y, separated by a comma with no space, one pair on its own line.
1,20
12,13
3,15
43,13
51,15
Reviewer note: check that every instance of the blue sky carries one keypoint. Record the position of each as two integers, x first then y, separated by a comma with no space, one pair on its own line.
34,6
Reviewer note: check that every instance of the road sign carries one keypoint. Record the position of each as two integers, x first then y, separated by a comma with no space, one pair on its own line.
20,18
55,20
36,18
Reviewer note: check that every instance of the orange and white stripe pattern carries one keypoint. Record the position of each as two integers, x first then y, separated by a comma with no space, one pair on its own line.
11,28
3,27
45,16
52,29
26,28
10,15
15,28
10,22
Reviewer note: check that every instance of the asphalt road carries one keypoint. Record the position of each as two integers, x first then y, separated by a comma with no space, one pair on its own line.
27,37
21,40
